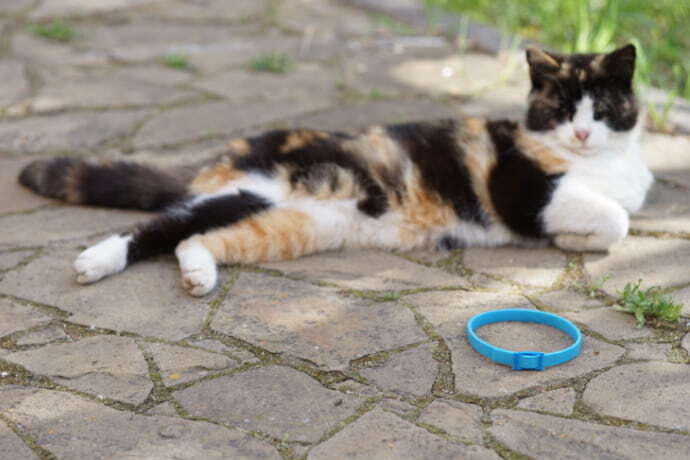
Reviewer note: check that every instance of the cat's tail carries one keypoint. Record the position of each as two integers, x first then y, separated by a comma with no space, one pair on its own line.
112,184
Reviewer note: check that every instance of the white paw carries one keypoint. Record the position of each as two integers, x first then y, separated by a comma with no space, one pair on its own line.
199,282
199,273
103,259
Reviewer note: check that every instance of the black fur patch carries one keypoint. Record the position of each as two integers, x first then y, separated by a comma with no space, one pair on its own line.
48,177
114,185
162,234
519,188
129,185
434,149
307,160
607,79
449,243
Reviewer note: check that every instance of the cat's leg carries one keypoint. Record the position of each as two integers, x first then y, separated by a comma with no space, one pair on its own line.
581,219
277,234
163,233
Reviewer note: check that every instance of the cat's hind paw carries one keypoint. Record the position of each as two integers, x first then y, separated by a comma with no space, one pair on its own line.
103,259
200,281
199,272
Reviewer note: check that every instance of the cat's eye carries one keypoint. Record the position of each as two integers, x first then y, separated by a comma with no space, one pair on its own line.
599,110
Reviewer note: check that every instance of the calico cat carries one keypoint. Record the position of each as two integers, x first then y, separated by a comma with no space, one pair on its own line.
569,175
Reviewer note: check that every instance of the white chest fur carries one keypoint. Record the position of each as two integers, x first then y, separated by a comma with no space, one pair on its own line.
619,175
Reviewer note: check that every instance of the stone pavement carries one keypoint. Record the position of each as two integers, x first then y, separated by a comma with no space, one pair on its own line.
358,354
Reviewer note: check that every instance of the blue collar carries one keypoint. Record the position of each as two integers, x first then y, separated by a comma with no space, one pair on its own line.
521,360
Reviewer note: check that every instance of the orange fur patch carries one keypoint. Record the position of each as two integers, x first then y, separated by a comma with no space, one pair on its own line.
213,178
239,146
544,156
479,159
300,138
278,234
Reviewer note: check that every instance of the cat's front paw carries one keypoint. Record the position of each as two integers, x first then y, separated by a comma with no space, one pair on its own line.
103,259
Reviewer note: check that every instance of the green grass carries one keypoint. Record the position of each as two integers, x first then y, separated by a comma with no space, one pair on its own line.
593,288
176,61
271,62
659,29
645,303
55,30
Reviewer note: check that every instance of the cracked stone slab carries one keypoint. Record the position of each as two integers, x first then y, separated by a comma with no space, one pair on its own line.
477,375
382,70
534,267
657,262
379,434
68,132
398,406
612,324
14,6
668,156
566,300
279,401
667,209
146,299
649,351
449,313
312,322
94,90
15,317
15,84
13,447
660,392
14,197
64,223
544,436
412,371
369,270
219,347
10,259
110,366
469,74
205,10
141,41
166,409
524,336
559,402
53,54
43,336
182,364
72,427
62,8
212,119
323,19
307,81
685,343
243,47
460,420
363,114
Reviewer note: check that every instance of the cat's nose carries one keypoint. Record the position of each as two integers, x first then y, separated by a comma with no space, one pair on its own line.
582,134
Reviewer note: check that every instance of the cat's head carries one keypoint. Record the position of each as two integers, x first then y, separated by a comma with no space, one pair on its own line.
585,102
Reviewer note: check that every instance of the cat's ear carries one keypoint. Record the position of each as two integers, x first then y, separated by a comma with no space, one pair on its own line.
540,60
621,62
